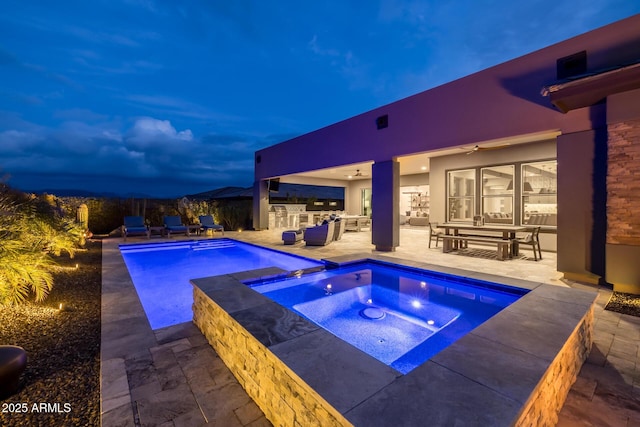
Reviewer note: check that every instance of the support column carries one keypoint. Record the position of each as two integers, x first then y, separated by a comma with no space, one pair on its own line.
385,198
261,205
581,225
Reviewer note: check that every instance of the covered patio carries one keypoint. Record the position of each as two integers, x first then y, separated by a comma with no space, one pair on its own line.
481,144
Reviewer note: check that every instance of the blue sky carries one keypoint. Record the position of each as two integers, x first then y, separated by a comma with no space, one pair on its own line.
167,98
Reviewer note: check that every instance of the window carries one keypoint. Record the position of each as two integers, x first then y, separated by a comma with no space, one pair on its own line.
497,194
539,193
365,202
461,195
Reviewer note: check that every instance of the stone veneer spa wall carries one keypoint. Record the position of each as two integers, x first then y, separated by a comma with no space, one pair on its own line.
515,369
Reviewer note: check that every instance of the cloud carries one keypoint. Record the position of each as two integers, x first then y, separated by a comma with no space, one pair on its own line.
90,156
177,107
14,142
148,133
80,114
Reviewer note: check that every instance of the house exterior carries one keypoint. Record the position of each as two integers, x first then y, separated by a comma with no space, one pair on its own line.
554,138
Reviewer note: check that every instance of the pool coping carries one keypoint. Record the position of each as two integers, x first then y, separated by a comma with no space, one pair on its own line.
488,377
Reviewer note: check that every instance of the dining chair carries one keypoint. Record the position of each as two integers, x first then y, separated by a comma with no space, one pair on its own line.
433,232
532,239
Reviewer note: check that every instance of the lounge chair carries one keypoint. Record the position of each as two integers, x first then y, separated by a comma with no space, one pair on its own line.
134,225
339,228
173,224
207,223
320,235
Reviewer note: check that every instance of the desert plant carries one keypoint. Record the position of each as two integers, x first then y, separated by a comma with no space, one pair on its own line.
63,236
106,215
23,268
23,271
29,234
234,214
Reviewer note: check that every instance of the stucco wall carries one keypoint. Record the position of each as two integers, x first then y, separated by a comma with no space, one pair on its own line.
499,102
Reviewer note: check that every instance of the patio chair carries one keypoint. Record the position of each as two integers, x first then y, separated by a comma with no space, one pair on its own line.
320,235
339,227
207,223
134,225
532,239
173,224
433,232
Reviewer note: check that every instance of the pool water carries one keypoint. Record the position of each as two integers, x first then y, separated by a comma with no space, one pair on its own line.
161,271
401,316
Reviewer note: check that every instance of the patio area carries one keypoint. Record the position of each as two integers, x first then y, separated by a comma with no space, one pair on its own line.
172,377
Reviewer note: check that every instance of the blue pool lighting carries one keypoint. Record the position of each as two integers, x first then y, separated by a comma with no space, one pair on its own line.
161,271
401,316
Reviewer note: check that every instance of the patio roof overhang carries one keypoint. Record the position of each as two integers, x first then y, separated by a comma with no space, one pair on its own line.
586,90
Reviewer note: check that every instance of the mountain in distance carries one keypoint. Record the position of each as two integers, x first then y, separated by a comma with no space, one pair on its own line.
286,190
223,193
68,192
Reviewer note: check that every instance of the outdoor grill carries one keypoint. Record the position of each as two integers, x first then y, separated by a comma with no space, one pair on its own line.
281,215
287,216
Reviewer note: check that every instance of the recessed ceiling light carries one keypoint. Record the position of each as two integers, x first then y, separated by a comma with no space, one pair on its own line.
424,168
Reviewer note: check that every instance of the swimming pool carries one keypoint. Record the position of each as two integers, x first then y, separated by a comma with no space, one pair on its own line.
400,316
161,271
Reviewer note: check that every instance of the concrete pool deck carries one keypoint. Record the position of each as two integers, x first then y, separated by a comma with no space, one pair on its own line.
172,376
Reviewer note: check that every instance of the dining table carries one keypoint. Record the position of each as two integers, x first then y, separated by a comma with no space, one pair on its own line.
506,230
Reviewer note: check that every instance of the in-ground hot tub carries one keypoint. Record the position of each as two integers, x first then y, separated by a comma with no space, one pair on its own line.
515,368
398,315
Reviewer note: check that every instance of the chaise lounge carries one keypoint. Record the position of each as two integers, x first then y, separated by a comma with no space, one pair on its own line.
134,225
173,224
207,223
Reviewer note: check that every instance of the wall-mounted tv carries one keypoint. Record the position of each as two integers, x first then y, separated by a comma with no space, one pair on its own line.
274,185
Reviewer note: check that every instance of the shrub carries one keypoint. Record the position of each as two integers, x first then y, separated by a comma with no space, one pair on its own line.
30,232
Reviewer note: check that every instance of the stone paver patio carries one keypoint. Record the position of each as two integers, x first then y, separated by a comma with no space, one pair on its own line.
172,377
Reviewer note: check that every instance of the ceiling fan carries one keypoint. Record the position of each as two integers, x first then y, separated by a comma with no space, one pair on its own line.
357,174
478,148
